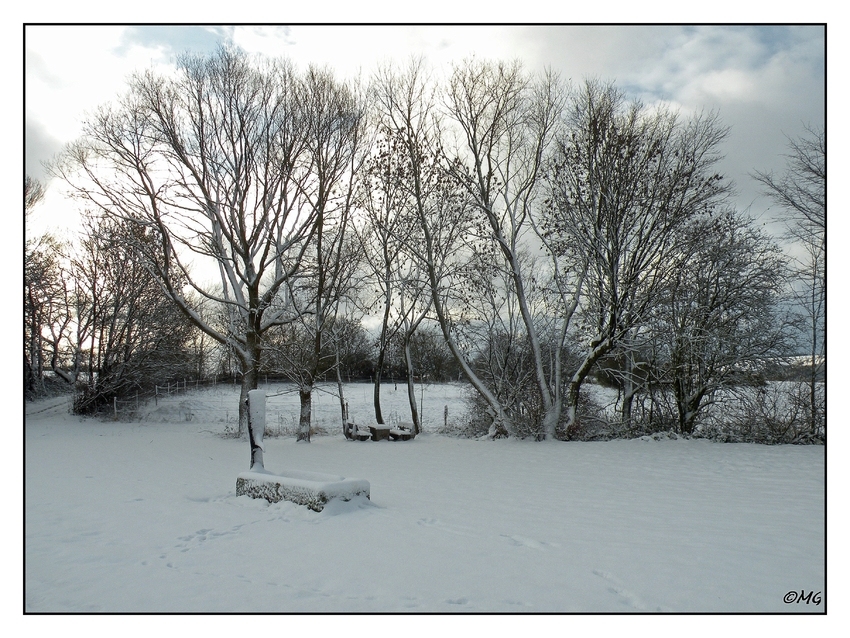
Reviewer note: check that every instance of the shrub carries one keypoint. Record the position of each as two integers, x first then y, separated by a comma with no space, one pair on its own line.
772,414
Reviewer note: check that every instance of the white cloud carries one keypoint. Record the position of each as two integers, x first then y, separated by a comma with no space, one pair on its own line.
352,49
76,69
765,82
726,85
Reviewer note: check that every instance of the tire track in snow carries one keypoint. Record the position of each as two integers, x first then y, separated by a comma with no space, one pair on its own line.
60,405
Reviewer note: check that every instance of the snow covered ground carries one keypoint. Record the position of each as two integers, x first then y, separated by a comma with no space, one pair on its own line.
142,516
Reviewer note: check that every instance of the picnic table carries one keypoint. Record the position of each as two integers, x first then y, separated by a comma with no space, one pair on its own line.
402,431
380,432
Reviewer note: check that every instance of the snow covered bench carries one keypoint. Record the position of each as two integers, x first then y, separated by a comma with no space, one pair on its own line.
312,489
356,432
403,430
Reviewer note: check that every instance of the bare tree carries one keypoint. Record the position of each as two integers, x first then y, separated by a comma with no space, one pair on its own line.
388,232
801,189
504,358
37,272
801,193
507,122
46,313
133,337
386,228
34,192
47,301
623,181
415,306
720,309
406,103
335,123
213,162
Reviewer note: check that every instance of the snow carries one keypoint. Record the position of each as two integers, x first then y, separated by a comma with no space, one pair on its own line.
142,516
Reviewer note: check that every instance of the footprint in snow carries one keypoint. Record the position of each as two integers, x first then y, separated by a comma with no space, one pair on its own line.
202,535
625,596
445,527
523,541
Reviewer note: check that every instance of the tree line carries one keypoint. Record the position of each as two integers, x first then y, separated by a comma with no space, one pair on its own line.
504,227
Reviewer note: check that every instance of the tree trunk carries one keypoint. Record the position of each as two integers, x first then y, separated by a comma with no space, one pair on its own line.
249,382
597,351
572,407
551,404
629,391
814,365
382,351
550,421
35,346
250,360
376,395
342,405
687,405
501,420
687,417
305,394
628,401
29,382
256,409
411,393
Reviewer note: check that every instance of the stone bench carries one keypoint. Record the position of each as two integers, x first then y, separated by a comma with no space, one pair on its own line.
313,489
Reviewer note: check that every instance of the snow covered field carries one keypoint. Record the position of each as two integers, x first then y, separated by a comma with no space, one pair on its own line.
142,516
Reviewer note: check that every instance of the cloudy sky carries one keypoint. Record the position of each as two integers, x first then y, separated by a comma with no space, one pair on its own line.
767,82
